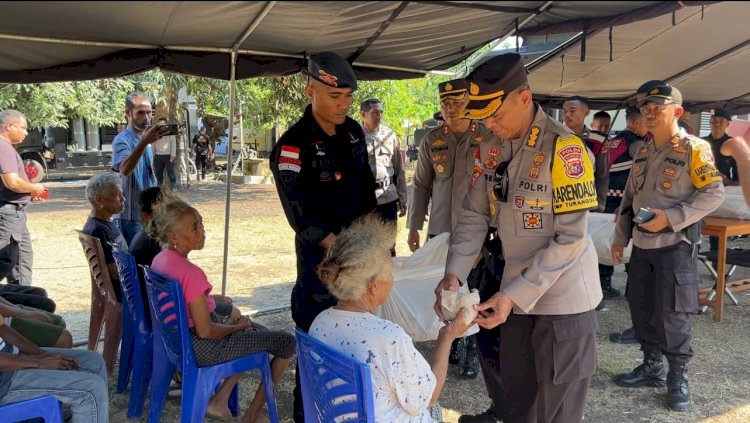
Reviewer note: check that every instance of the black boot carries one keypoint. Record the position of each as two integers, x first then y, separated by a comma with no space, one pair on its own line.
455,355
488,416
607,289
471,361
650,373
678,394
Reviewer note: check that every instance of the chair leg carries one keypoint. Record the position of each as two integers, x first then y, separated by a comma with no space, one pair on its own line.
96,320
161,375
141,378
126,354
196,392
112,334
234,400
267,377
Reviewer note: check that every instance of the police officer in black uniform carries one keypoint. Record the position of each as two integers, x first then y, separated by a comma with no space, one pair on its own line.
324,180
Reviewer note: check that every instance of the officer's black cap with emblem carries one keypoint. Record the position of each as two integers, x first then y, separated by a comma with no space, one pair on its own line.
454,89
722,113
332,70
662,94
491,82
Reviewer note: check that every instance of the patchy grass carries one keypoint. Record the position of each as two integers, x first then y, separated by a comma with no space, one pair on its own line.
262,269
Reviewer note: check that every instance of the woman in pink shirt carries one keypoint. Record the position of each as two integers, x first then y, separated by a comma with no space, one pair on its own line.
179,229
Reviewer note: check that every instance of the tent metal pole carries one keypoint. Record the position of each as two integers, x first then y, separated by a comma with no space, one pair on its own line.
503,37
228,202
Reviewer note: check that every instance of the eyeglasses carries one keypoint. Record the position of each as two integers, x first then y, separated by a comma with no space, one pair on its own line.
501,182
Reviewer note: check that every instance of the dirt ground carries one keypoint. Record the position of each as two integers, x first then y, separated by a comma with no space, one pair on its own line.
261,271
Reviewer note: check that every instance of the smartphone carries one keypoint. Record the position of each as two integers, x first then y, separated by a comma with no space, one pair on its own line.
643,216
173,129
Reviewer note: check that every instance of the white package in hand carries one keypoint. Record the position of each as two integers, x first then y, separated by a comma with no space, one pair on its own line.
452,302
412,298
601,229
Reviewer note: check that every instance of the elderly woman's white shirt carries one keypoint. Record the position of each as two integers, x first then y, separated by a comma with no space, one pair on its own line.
402,380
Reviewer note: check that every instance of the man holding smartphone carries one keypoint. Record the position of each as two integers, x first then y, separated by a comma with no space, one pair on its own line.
132,159
165,152
675,180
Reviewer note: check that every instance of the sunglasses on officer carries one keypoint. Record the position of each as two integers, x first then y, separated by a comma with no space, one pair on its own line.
501,185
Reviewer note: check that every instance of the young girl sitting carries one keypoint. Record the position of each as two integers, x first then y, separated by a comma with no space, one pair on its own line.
179,229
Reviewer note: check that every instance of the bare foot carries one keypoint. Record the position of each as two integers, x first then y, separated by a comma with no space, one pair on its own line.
218,412
259,419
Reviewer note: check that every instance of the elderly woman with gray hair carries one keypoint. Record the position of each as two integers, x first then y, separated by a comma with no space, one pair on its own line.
104,192
358,271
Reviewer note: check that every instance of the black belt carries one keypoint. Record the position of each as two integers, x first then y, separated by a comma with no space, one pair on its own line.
13,206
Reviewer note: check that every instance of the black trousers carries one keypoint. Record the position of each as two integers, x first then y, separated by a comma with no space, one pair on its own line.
162,163
201,162
389,213
30,296
488,340
662,293
16,255
548,362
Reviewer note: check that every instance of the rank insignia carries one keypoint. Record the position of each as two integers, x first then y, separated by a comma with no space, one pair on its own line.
666,185
440,168
534,172
637,169
537,204
532,221
492,209
493,197
490,163
437,143
643,150
669,172
538,159
478,139
679,149
494,151
531,142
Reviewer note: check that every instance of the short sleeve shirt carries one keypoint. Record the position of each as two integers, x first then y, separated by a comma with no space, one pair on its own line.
10,162
107,232
192,279
142,176
402,380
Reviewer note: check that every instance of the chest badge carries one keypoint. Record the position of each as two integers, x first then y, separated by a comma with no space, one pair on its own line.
534,172
532,221
494,152
669,172
440,168
490,163
538,159
666,185
320,149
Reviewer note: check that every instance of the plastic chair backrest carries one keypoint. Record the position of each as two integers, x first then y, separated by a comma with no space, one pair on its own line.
92,248
169,318
131,288
47,408
335,386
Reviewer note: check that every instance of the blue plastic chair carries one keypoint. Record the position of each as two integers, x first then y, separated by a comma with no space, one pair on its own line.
135,350
335,386
47,408
173,350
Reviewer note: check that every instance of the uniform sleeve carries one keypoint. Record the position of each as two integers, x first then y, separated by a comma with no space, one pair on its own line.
468,236
398,168
623,219
562,252
422,187
709,192
601,178
120,151
297,197
634,147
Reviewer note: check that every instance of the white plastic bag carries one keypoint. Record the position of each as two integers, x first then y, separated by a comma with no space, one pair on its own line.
412,298
601,228
734,205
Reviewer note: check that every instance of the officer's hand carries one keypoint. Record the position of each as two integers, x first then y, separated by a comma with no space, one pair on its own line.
448,283
494,311
401,210
617,253
154,133
413,240
659,222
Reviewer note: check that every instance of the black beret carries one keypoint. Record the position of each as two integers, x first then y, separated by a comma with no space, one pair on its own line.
662,94
454,89
332,70
491,82
722,113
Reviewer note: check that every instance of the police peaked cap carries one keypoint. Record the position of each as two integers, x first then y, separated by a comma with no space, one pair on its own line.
454,89
491,82
662,94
